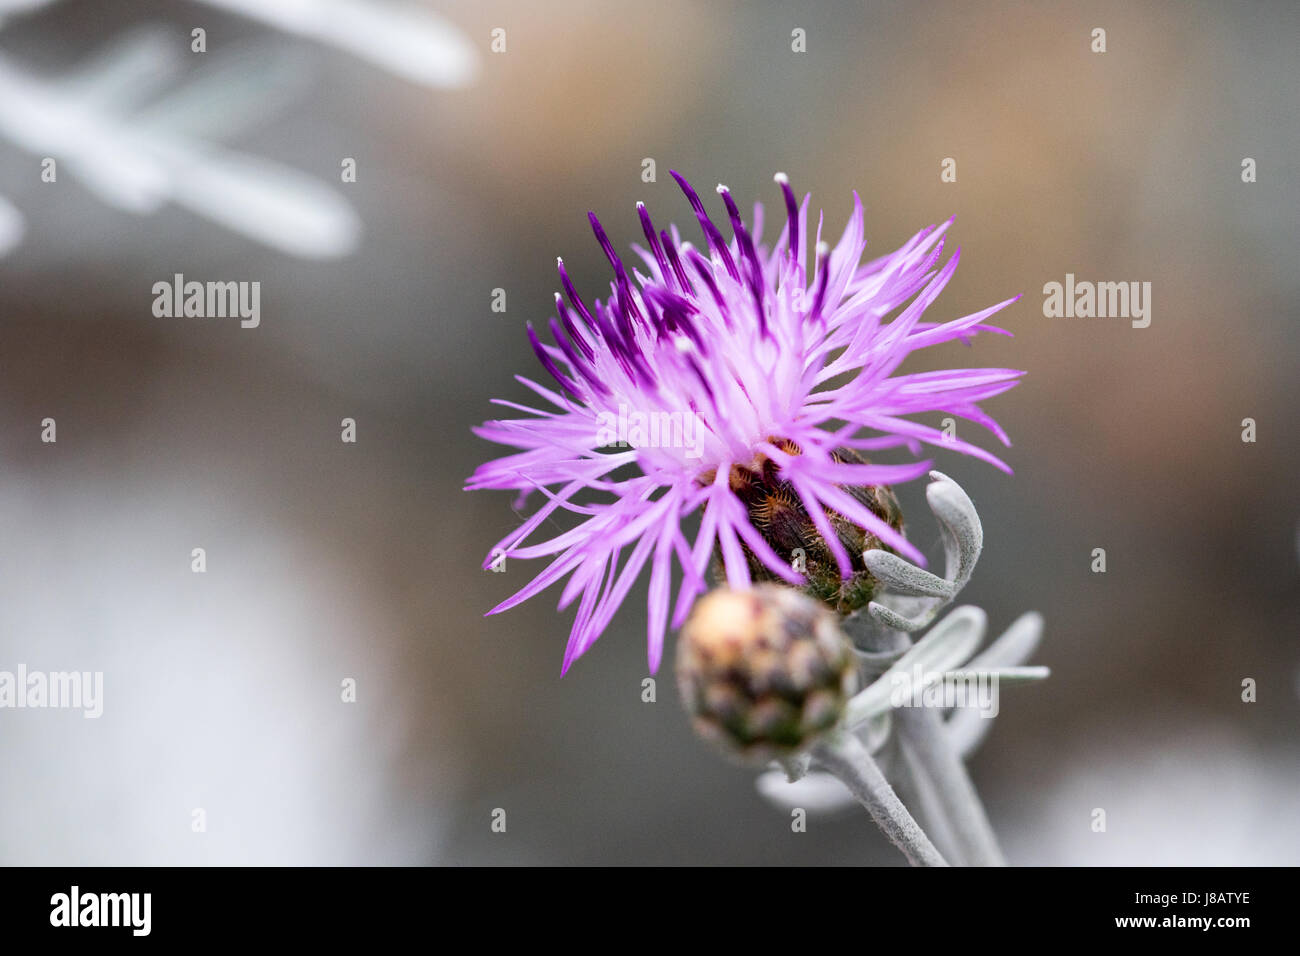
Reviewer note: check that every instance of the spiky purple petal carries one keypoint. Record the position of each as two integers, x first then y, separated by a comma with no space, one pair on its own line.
767,356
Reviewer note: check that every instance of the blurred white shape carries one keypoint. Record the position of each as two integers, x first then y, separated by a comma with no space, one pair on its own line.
41,119
244,86
816,792
264,201
221,690
10,7
412,43
12,227
125,70
1180,791
138,160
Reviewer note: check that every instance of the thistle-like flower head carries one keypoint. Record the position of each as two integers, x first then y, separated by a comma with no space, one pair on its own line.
716,369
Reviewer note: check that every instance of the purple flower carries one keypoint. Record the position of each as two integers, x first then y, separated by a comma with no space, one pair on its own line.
719,361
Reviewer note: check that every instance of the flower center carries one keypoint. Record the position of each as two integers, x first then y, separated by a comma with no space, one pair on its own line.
780,516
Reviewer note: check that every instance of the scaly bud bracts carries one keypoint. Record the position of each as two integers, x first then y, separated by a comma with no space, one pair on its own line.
776,510
764,672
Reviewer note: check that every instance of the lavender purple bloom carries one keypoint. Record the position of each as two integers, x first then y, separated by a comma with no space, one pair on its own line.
780,361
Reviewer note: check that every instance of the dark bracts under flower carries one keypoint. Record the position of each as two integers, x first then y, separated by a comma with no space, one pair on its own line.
776,510
745,341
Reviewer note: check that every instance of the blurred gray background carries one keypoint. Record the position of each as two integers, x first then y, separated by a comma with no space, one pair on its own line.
329,561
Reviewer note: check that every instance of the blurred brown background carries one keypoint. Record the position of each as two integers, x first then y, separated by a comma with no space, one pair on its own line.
328,560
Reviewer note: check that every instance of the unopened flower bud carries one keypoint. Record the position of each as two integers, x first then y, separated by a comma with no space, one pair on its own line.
764,672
